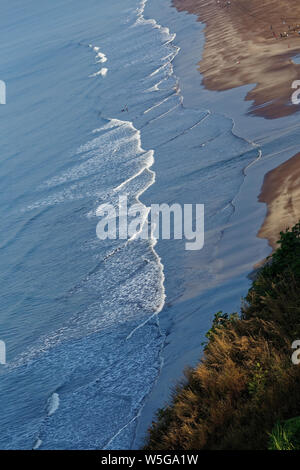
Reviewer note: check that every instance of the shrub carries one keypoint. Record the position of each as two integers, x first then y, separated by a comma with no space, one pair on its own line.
245,382
286,435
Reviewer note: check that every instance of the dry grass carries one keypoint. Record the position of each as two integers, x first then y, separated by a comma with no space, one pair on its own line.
246,381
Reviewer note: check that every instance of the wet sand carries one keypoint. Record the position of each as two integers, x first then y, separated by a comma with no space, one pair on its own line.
254,42
243,45
186,318
281,193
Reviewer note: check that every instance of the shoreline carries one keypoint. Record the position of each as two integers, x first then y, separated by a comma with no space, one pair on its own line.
239,247
281,193
193,294
250,43
266,63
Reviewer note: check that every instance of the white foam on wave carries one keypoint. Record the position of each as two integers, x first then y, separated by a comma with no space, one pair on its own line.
155,105
122,141
139,181
116,124
109,125
167,40
101,72
100,58
158,69
52,407
53,404
120,136
37,444
149,163
168,37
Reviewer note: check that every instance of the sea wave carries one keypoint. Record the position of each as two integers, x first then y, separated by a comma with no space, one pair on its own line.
101,344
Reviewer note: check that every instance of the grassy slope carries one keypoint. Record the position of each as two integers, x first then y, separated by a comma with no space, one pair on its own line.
246,381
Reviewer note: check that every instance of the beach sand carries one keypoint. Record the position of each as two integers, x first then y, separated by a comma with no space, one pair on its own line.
243,46
253,42
281,193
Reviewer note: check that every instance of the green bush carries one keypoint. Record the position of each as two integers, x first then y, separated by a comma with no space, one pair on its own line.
245,382
286,435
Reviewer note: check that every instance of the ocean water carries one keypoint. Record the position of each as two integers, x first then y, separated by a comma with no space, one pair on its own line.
82,318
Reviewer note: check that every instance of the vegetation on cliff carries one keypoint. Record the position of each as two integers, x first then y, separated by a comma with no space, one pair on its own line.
246,385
